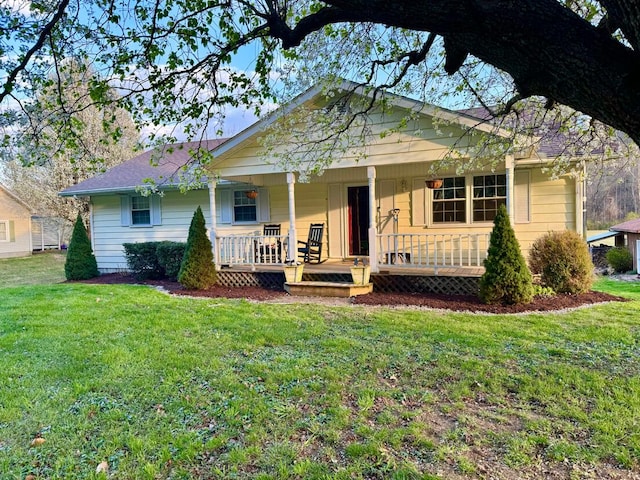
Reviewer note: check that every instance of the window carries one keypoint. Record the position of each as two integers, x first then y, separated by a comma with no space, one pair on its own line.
489,192
140,211
4,231
244,208
449,201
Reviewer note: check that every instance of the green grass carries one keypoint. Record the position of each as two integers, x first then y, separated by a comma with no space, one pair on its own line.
38,269
165,387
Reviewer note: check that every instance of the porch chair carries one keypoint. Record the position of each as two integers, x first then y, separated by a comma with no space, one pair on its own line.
312,248
270,252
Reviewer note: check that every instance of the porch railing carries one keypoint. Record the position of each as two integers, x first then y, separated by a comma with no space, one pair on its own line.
251,250
433,250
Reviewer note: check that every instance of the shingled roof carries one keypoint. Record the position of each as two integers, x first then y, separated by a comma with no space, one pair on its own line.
632,226
168,160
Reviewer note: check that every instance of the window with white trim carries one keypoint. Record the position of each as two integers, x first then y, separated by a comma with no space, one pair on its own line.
450,202
244,207
4,230
140,210
489,193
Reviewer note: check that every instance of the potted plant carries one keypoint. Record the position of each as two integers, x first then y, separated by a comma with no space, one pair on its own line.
434,183
253,194
360,272
293,271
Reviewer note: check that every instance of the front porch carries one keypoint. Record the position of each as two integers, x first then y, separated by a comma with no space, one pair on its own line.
449,280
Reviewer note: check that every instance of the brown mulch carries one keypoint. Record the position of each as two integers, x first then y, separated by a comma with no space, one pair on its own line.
458,303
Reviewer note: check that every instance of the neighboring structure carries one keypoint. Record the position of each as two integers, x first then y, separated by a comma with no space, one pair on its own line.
378,207
50,233
15,225
631,230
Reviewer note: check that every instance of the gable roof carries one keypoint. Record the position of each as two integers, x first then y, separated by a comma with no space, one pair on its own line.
631,226
127,176
461,118
16,198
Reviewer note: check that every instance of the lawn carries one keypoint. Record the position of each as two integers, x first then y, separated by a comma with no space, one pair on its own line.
165,387
40,268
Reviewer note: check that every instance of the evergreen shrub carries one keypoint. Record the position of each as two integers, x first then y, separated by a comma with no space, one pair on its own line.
563,262
197,271
142,260
507,278
81,263
620,259
170,255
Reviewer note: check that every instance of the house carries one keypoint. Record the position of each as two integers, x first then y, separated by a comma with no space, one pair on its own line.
378,206
630,229
15,225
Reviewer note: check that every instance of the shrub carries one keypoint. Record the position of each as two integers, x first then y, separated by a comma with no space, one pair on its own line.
620,259
563,262
197,271
170,255
506,279
142,260
81,263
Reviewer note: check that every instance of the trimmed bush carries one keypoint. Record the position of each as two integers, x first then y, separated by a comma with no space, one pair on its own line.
563,262
620,259
142,260
81,263
197,271
507,278
170,255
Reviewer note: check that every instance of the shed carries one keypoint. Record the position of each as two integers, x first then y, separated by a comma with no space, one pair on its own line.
632,230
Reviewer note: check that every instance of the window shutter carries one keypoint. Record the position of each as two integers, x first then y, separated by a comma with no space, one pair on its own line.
156,211
522,194
418,201
125,211
12,231
262,204
224,205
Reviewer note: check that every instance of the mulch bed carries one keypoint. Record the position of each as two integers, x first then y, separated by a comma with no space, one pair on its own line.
458,303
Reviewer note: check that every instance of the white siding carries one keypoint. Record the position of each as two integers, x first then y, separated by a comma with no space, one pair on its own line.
18,218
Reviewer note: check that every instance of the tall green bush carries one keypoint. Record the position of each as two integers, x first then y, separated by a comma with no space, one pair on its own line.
197,271
563,262
81,263
620,259
507,278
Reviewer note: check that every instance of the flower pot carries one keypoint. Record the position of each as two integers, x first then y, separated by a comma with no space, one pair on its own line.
436,183
293,273
251,194
360,274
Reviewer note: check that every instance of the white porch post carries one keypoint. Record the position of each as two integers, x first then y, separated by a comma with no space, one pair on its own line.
293,238
213,235
373,240
509,163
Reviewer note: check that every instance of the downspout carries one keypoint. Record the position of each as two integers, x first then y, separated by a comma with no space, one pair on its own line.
373,236
293,238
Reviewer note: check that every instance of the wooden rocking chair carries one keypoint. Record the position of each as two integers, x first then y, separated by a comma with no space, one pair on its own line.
311,251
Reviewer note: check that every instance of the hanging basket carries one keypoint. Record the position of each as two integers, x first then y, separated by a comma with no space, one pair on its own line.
435,183
253,194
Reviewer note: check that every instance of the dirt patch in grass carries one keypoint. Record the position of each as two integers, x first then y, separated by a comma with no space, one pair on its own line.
458,303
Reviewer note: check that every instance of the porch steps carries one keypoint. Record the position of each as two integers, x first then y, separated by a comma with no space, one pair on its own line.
327,289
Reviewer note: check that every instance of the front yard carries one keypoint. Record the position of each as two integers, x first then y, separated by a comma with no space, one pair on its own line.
166,387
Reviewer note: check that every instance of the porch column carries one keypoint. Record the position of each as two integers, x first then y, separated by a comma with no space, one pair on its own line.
213,236
373,240
293,238
581,200
509,163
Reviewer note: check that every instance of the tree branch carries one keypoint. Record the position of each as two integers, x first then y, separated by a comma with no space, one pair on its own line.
42,38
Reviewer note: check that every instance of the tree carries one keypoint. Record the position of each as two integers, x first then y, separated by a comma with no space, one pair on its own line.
197,271
507,278
173,60
48,160
81,263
